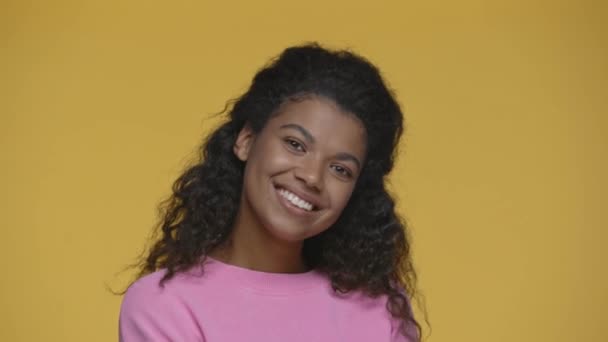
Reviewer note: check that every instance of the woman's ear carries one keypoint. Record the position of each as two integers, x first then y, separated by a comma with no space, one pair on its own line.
243,142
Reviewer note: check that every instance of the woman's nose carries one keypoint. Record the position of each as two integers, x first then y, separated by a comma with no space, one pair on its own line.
311,173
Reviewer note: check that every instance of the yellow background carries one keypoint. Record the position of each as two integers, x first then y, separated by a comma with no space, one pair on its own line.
502,176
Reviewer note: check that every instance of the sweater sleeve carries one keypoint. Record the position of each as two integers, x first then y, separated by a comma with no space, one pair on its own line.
397,335
397,325
151,313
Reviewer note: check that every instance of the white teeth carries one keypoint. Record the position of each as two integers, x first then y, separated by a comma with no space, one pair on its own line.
295,200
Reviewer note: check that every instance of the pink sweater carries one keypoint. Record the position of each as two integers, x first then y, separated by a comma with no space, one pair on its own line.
234,304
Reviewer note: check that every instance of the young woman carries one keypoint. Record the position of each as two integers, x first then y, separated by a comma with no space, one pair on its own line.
284,230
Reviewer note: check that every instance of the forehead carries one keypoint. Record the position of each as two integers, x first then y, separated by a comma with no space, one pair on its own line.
325,120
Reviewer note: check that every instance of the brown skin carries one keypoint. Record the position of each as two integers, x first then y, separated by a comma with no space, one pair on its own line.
311,148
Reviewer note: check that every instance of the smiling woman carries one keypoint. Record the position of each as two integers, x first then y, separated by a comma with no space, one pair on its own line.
283,231
300,172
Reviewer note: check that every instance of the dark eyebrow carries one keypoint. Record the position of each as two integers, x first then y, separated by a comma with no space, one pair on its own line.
302,130
347,156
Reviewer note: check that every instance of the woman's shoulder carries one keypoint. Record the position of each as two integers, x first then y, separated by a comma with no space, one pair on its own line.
363,308
152,287
153,311
147,293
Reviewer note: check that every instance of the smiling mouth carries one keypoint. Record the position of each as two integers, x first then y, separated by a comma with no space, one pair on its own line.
296,201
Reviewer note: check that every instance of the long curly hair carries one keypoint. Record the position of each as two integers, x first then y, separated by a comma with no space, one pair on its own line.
367,248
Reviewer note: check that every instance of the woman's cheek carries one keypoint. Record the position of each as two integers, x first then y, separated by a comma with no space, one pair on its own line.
344,192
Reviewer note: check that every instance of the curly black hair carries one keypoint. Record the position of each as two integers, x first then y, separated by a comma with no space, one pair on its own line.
367,248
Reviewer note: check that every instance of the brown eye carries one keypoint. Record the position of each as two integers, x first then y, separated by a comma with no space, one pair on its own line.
342,171
295,145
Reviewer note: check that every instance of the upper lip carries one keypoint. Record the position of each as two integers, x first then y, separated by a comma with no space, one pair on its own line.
308,198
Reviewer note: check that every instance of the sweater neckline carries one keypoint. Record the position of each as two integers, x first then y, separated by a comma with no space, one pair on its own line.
266,282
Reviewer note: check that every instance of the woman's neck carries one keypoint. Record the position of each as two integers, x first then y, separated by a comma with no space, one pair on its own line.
251,246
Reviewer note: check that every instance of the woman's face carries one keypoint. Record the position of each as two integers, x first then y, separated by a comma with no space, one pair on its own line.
301,168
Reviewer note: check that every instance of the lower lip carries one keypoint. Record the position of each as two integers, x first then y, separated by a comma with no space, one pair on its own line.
291,207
